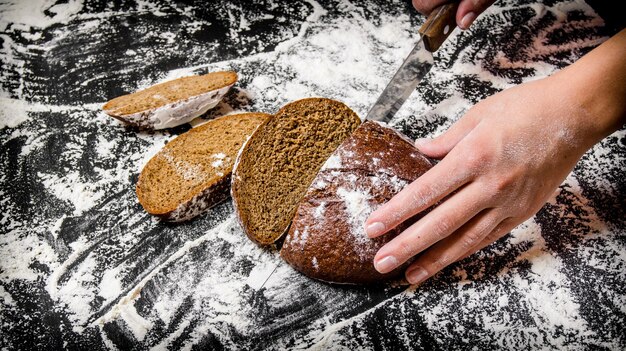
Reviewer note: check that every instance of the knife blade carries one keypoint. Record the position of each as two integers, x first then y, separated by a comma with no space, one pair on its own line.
438,26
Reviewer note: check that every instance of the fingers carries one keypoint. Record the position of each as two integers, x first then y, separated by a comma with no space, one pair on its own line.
441,145
424,192
469,10
425,7
450,249
443,220
465,15
501,229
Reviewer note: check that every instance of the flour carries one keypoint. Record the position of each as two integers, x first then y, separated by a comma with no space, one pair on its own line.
26,17
20,252
358,208
189,171
106,265
82,195
319,211
171,299
333,162
110,285
260,274
219,160
314,263
320,184
300,237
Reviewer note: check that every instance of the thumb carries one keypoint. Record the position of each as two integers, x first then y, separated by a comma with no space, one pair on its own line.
469,10
441,145
425,7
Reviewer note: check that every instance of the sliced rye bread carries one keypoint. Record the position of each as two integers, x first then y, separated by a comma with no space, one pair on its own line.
171,103
327,240
280,160
192,172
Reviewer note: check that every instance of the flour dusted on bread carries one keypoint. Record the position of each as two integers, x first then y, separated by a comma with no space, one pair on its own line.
171,103
280,160
192,172
326,239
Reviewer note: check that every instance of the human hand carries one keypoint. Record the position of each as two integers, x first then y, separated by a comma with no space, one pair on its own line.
501,162
465,15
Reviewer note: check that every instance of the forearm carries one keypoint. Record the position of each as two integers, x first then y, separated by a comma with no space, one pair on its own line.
595,86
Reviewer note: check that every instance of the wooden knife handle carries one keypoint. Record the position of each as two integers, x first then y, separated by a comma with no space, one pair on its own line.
438,26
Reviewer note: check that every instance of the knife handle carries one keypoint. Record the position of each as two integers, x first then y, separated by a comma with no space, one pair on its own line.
438,26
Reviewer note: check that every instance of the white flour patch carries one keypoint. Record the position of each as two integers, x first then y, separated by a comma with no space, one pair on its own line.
333,162
219,160
6,299
33,16
319,211
71,188
110,285
260,274
19,251
358,208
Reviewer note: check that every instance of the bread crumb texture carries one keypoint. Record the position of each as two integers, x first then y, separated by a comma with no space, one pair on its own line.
195,162
281,159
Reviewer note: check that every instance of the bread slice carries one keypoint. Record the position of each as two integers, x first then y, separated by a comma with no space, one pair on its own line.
280,160
327,240
172,103
192,172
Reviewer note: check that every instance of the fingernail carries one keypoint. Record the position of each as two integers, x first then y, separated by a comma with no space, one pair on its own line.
467,20
421,142
416,275
375,229
386,264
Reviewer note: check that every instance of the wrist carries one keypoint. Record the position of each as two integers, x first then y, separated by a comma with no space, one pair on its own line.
593,90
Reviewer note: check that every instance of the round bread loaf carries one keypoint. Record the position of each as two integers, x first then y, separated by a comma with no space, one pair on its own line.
326,239
171,103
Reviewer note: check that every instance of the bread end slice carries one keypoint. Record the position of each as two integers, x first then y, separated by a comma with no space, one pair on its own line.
171,103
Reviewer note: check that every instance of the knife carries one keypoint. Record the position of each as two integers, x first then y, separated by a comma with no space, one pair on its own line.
438,26
433,33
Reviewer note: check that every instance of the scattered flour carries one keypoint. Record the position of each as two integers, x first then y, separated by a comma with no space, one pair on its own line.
314,263
34,15
19,251
82,195
358,208
319,210
110,285
219,160
347,58
188,171
333,162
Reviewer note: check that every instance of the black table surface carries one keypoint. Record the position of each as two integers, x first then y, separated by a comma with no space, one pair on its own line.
82,266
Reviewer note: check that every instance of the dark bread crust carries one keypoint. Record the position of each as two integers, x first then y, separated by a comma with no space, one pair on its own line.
326,239
199,203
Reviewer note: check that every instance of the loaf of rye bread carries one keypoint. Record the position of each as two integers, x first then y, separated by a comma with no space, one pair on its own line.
326,239
171,103
280,160
192,172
